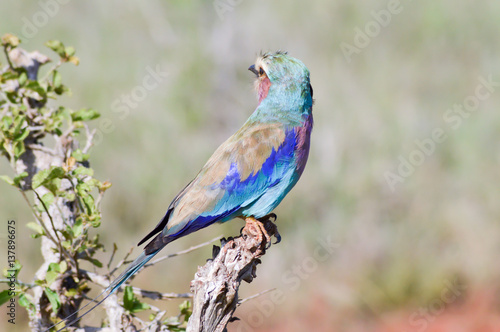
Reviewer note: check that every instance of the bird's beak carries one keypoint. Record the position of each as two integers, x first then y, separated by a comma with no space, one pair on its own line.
253,70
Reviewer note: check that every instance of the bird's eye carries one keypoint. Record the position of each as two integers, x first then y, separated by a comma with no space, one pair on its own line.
261,71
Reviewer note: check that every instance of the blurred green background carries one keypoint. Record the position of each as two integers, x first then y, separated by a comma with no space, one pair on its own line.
419,253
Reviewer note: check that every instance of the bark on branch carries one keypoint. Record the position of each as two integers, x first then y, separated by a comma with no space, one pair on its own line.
216,284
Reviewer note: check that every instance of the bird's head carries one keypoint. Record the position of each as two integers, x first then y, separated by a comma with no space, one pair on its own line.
282,71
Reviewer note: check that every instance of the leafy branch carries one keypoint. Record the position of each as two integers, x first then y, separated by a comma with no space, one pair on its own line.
66,195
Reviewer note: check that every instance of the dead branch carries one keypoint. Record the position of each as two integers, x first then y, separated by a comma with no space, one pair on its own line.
216,284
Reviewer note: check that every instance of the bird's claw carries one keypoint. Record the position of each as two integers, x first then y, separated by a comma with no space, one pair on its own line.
271,228
264,228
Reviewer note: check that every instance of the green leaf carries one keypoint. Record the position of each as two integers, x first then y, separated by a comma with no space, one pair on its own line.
18,149
6,122
53,298
95,262
54,267
54,270
26,301
63,266
128,298
77,227
35,86
56,46
16,267
186,310
18,124
7,179
69,196
39,178
60,90
140,306
12,96
131,303
80,156
53,185
10,75
23,78
56,79
48,199
45,175
19,177
89,204
4,296
70,51
36,227
51,276
82,170
83,189
85,114
96,222
22,134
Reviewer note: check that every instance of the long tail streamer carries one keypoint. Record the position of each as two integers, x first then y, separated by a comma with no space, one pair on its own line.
130,271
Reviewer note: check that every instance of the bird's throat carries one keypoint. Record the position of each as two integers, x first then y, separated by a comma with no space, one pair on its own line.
263,88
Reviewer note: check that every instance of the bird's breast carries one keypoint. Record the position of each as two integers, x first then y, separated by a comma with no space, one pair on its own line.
303,137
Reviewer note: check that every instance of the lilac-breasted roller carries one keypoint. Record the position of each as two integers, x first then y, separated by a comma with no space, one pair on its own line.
253,170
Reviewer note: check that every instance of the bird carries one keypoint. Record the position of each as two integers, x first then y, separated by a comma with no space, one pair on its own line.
252,171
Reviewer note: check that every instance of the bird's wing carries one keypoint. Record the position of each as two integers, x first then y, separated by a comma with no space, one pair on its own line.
238,173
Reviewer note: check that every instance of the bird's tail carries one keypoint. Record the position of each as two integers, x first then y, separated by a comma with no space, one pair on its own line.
135,266
129,272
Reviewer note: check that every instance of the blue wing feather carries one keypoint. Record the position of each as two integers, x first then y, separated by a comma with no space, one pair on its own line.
248,197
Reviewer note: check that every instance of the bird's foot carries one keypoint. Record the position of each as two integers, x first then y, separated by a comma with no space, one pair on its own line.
270,226
263,228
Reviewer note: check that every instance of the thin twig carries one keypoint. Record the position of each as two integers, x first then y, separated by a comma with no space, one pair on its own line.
183,252
120,263
20,283
41,148
80,204
40,222
62,251
104,283
46,76
51,221
90,138
99,199
115,248
240,302
8,57
160,296
70,129
157,319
